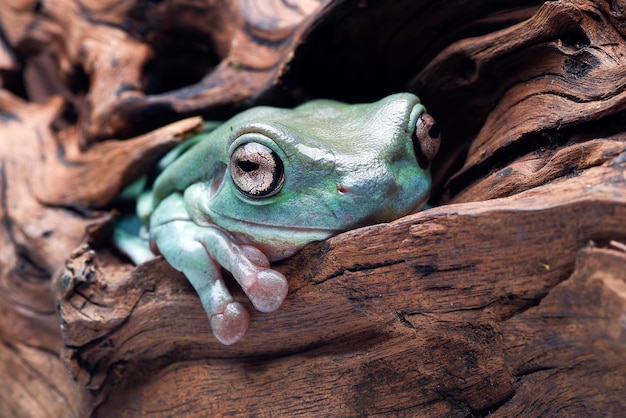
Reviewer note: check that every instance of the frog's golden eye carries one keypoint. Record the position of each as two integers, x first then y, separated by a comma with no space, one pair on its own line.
256,170
426,139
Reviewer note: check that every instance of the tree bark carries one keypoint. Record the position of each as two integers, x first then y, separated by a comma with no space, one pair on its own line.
507,297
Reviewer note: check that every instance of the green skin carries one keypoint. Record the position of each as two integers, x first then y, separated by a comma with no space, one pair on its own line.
344,166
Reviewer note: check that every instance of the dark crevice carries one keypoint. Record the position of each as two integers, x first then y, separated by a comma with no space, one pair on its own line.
79,81
574,39
428,269
491,409
89,300
26,266
521,372
548,140
12,78
357,268
76,210
522,306
7,223
182,58
402,316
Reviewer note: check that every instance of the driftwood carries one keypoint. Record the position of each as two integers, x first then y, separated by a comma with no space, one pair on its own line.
507,298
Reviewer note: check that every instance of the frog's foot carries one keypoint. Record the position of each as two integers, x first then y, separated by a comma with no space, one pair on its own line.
200,252
174,240
229,319
230,322
266,288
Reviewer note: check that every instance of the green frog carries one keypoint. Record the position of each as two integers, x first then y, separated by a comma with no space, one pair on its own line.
260,186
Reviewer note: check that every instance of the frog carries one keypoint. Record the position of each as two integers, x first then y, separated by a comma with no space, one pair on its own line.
257,188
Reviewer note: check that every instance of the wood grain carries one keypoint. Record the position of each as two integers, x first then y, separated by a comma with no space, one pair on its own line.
434,314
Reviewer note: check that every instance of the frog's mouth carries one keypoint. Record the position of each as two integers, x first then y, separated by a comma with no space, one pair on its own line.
247,227
275,241
260,232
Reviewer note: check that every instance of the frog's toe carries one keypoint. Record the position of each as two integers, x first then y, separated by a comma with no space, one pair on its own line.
231,323
268,291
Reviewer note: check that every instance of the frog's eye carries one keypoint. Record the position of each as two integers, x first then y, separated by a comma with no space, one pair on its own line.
256,170
426,139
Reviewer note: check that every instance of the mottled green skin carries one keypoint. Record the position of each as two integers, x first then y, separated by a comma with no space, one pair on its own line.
344,166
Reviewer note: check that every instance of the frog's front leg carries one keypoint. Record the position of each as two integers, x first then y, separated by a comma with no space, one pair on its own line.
199,251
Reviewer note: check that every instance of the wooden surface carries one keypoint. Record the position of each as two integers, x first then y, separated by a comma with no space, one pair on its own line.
507,298
444,313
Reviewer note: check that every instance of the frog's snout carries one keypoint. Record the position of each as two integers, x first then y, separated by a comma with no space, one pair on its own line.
426,139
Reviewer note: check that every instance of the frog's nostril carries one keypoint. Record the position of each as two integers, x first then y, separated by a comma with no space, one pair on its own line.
426,139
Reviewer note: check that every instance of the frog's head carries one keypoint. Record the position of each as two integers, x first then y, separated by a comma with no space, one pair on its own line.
281,178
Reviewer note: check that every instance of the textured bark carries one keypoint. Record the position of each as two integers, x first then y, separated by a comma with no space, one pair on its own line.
507,298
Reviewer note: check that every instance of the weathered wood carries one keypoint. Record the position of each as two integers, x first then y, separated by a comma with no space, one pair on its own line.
36,384
517,89
37,238
114,43
436,314
579,324
506,298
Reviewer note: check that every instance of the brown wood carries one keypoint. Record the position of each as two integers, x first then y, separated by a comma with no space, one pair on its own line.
507,298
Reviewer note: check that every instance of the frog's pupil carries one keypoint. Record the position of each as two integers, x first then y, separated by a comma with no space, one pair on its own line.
247,166
434,132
